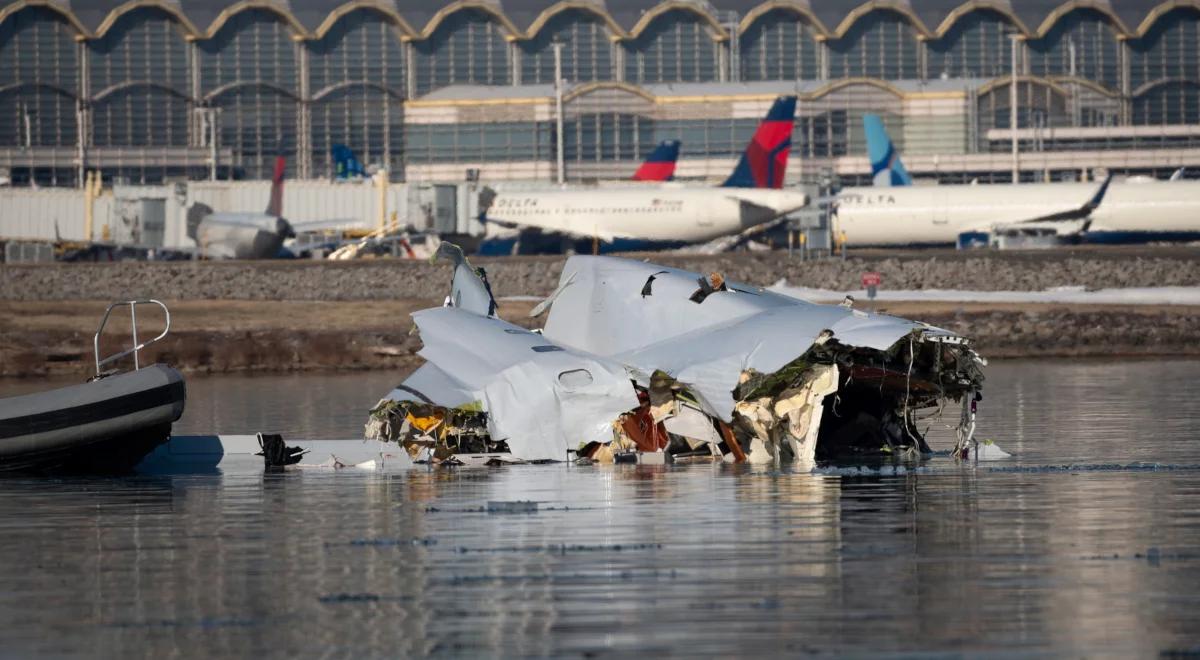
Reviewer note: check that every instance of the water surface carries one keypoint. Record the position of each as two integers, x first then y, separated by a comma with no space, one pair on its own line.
1023,557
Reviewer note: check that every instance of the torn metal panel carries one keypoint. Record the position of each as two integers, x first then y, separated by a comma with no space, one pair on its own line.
542,398
602,310
432,385
746,354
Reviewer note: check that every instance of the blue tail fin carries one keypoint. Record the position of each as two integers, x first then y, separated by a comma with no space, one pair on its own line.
345,165
886,168
765,159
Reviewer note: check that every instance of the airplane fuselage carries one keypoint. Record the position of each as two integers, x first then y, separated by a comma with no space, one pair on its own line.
241,235
914,215
644,213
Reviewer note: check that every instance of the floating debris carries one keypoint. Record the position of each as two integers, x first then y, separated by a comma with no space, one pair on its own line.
636,364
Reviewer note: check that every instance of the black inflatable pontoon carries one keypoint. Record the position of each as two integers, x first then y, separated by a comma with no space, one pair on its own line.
103,426
107,425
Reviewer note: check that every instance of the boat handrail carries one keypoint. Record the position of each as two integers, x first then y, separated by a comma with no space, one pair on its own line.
132,304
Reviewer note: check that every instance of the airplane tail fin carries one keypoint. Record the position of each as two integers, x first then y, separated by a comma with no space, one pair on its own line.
195,213
886,168
764,162
275,207
345,164
469,287
660,164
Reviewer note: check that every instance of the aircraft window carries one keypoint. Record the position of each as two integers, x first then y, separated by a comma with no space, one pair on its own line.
575,378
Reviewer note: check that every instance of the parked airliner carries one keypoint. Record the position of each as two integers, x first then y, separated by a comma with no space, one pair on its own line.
893,212
650,217
242,235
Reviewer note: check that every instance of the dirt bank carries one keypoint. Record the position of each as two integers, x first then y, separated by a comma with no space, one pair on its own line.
55,338
388,280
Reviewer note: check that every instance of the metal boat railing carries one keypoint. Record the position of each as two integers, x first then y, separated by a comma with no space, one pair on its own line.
132,304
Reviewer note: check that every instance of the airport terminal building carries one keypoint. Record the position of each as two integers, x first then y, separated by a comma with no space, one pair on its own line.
148,91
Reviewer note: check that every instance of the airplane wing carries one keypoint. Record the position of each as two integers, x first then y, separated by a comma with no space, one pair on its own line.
548,226
747,205
331,224
1071,221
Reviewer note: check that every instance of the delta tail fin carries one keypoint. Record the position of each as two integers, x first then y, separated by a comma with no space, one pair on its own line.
764,162
345,164
660,164
886,168
275,207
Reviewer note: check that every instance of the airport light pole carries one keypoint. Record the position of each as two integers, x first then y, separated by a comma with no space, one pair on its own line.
558,109
1012,112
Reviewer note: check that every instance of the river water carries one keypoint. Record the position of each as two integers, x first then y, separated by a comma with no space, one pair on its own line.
1019,557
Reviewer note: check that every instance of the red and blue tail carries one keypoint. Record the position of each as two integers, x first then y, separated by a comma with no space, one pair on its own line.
765,160
660,164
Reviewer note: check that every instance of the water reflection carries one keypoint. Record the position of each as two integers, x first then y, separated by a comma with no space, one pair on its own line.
691,559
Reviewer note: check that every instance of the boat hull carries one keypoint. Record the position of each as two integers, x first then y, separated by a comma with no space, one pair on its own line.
105,426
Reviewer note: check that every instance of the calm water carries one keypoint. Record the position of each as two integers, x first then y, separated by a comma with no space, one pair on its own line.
1009,559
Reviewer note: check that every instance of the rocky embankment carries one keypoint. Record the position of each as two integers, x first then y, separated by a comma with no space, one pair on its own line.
392,280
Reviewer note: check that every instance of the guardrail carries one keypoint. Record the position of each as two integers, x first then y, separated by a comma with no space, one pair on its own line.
132,304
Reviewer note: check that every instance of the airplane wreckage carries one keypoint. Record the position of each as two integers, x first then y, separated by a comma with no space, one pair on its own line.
643,363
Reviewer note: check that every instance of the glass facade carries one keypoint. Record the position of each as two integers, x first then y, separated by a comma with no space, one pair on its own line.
466,48
1082,44
780,45
976,46
362,46
587,54
1168,103
677,46
1039,106
718,138
880,44
1169,49
363,117
279,86
478,142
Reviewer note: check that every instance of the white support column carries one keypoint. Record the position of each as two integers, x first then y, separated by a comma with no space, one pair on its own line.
514,61
1012,111
558,112
197,137
618,60
410,69
1126,112
304,117
822,59
723,61
83,107
923,58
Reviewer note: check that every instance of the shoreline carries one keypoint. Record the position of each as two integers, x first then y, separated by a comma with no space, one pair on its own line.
54,338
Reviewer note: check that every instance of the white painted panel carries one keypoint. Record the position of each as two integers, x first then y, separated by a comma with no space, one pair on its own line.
33,214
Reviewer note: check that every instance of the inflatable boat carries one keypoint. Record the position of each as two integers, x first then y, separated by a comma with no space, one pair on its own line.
106,425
